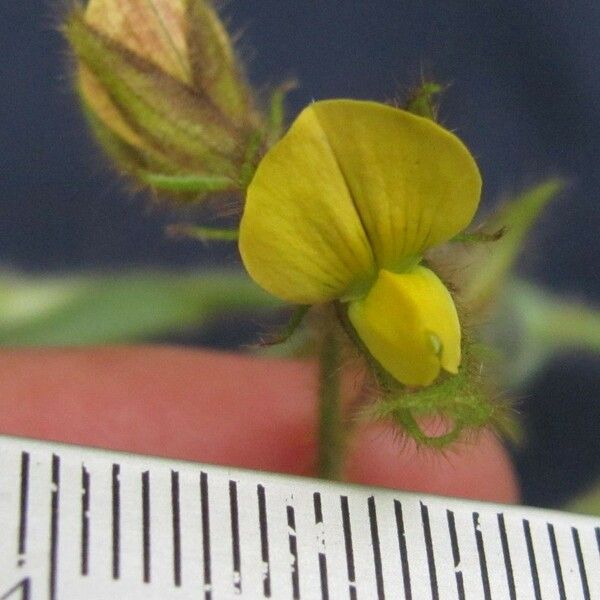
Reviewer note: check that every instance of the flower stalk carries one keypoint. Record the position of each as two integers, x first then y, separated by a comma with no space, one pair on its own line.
331,434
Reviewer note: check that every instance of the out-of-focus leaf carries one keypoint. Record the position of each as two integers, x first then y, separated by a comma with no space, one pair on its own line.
531,325
118,308
588,503
490,264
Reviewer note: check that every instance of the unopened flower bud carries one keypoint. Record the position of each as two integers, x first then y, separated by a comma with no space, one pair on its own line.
164,94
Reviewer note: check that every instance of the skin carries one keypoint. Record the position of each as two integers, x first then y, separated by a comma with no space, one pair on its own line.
225,409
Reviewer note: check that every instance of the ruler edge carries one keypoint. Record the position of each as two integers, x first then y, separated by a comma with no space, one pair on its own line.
30,444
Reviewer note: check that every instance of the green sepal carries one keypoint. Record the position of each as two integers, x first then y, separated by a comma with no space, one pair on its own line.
188,188
204,234
290,328
276,116
463,401
253,147
422,100
258,141
215,70
126,157
478,237
186,184
405,419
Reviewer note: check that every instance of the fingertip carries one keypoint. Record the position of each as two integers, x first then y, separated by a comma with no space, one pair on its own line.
226,409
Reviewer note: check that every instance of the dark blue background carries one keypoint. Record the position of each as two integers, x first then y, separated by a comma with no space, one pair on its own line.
524,97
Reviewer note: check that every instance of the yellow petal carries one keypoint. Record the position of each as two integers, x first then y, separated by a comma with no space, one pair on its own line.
352,187
300,236
414,184
408,322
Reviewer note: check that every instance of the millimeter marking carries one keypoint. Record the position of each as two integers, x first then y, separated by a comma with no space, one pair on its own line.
176,528
555,557
376,548
146,540
23,504
482,559
430,556
321,540
54,525
510,578
349,549
264,538
85,520
293,542
532,562
403,549
235,536
205,535
116,522
460,586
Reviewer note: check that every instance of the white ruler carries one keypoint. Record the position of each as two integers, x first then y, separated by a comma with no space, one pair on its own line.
85,524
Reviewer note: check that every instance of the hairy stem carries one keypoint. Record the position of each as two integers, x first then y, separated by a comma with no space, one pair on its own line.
331,439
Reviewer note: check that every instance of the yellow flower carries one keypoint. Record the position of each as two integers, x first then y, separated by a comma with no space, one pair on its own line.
343,208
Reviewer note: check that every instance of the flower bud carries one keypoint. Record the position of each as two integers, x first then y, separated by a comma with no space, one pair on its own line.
163,92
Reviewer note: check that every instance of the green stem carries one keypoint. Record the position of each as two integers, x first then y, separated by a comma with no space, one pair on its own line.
331,427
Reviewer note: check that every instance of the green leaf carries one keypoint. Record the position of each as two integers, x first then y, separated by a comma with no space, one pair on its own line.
588,503
478,237
515,220
119,308
531,326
